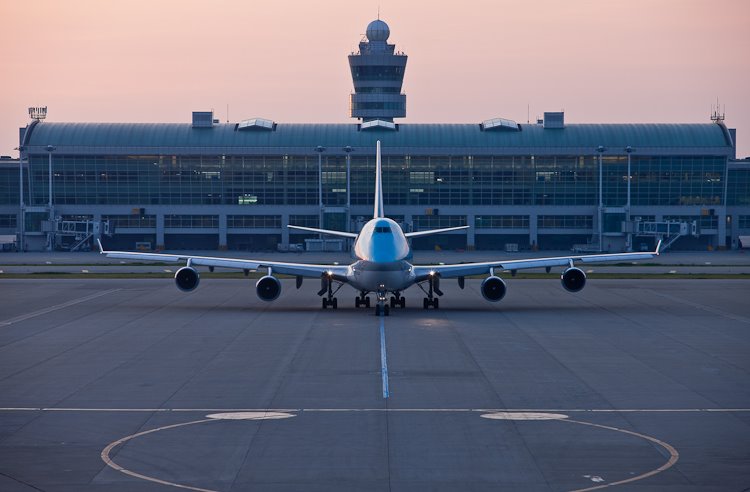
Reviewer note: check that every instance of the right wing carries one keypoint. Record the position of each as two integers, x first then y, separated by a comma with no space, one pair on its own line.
429,232
284,268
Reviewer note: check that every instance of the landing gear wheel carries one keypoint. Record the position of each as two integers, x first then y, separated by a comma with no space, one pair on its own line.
386,310
377,310
335,303
325,303
394,302
435,303
426,303
367,302
356,302
402,302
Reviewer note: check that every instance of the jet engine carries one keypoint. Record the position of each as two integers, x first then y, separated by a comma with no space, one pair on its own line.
493,288
187,278
573,279
268,288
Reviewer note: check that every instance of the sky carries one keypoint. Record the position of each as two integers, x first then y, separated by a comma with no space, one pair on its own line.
601,61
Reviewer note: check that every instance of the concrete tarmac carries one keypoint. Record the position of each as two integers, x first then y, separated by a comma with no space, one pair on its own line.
115,385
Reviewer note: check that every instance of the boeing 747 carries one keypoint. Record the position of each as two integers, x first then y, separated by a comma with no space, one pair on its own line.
383,265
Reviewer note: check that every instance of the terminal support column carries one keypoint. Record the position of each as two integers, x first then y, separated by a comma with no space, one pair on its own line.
470,234
285,230
159,231
222,232
533,239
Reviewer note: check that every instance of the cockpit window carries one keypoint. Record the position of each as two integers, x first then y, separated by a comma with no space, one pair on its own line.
384,229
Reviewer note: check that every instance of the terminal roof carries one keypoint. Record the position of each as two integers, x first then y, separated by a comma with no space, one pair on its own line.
420,139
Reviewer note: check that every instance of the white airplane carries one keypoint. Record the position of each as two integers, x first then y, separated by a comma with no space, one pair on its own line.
382,265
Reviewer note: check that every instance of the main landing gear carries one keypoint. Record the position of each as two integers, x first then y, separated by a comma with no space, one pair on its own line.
362,300
327,288
398,300
433,288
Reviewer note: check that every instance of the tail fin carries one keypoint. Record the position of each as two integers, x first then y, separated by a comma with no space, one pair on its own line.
378,184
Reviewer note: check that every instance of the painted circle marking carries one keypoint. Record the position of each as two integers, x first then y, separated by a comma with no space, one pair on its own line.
250,416
523,416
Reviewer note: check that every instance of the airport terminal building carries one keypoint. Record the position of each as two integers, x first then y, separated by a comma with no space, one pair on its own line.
548,184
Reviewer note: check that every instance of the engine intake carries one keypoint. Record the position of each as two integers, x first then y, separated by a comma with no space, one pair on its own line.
187,279
573,279
268,288
493,288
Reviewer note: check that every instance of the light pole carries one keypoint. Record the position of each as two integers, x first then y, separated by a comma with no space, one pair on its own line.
629,245
50,234
348,151
21,213
600,150
320,149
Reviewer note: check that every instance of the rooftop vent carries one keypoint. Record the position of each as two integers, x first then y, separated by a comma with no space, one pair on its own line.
255,124
203,119
499,124
554,120
378,125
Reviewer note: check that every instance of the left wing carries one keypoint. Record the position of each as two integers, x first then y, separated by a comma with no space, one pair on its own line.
466,269
297,269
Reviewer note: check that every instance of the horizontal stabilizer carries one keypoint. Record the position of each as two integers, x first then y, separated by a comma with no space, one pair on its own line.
324,231
434,231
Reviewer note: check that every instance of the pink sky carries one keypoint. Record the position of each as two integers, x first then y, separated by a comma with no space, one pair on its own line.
602,61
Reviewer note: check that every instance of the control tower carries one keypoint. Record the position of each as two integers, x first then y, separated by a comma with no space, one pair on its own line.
378,74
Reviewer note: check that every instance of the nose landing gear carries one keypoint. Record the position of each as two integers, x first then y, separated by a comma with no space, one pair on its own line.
381,307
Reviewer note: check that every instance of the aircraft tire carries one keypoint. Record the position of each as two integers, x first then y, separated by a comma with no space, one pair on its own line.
335,303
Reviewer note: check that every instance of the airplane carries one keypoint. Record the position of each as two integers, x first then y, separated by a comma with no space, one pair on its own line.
383,265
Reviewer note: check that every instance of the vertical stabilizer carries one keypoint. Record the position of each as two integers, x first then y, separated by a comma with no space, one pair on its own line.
378,184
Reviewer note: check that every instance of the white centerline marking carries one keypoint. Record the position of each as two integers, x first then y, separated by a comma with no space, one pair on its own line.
383,359
50,309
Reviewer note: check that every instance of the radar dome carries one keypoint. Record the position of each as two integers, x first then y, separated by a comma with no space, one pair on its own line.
378,30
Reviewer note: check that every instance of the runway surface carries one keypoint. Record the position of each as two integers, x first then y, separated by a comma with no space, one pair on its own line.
115,385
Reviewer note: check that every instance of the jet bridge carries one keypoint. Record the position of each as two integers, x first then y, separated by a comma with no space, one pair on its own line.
666,231
75,235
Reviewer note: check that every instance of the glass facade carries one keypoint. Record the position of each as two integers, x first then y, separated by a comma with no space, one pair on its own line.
408,180
254,221
565,222
501,222
738,187
8,221
191,221
131,221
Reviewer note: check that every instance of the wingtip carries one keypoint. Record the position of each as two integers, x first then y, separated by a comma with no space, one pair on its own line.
658,248
101,248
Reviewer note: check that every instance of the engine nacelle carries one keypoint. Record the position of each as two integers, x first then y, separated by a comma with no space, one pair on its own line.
573,279
493,288
268,288
187,278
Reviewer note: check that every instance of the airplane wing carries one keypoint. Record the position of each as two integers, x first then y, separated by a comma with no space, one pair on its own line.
284,268
466,269
434,231
324,231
